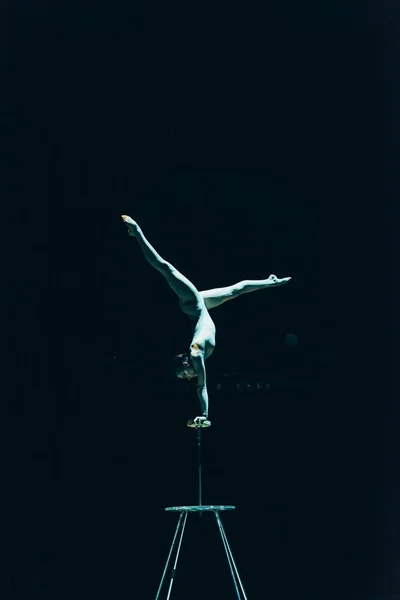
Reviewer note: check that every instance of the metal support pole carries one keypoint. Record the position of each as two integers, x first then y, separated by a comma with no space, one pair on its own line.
199,463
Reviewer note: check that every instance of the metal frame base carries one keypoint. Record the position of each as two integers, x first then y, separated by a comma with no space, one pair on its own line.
177,542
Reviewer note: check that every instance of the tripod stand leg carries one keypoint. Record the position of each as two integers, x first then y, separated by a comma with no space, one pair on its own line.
231,561
181,517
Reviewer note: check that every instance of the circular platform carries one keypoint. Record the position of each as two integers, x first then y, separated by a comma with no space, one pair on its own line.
205,508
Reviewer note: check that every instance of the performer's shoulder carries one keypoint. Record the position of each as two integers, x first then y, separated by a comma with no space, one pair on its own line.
197,348
202,347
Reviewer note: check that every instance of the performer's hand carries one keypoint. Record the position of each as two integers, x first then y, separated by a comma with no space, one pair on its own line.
198,422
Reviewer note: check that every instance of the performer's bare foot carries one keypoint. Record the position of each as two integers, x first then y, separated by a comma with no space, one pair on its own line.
199,422
132,225
273,281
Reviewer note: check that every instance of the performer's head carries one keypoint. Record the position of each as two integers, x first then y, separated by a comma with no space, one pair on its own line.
183,367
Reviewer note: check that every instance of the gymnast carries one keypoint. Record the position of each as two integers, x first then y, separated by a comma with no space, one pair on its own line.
196,305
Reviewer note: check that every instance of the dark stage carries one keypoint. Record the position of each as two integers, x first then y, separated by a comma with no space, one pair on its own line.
244,143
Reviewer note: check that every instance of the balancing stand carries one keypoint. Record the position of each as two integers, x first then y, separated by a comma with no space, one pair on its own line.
180,528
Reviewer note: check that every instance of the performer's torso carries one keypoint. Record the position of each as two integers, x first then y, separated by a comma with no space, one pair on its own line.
205,332
204,328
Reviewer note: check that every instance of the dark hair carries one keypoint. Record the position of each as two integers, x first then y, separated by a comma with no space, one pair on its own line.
177,363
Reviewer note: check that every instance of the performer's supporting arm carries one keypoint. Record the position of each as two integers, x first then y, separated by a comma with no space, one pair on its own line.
197,356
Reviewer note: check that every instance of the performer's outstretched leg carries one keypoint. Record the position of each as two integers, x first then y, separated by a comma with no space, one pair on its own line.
185,290
217,296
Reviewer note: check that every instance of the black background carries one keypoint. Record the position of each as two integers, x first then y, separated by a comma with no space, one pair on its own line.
244,143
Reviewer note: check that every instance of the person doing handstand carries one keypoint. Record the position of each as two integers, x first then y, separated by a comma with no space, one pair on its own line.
196,305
